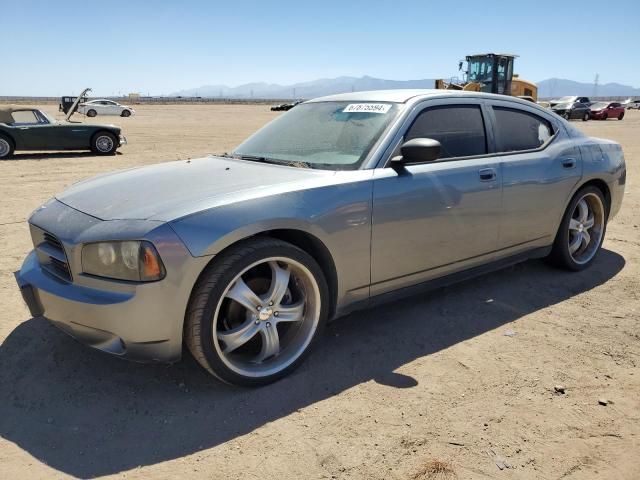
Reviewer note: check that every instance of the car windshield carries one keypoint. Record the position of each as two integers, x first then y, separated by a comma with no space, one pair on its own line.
45,117
327,135
567,100
563,105
599,105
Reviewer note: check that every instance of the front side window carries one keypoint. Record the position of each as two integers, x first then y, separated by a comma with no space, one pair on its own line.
24,117
327,135
517,130
459,129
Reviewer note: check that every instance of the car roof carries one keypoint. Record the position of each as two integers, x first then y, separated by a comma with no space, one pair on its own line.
407,95
7,110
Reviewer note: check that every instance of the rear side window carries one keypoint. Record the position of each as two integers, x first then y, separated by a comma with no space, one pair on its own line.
518,130
459,129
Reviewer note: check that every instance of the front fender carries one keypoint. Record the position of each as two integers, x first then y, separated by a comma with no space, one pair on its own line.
339,216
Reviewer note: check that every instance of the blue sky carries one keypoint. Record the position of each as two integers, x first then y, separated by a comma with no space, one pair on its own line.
59,47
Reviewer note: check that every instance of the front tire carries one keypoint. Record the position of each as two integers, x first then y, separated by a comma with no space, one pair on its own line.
256,312
104,143
91,113
621,116
586,116
581,231
604,116
6,147
125,113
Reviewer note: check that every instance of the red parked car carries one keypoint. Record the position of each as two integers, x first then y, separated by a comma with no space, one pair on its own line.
604,110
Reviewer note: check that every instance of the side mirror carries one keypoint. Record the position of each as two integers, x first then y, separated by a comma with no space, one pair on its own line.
418,150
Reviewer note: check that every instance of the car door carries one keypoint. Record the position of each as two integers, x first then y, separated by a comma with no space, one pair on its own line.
616,110
438,217
540,166
111,108
27,130
577,110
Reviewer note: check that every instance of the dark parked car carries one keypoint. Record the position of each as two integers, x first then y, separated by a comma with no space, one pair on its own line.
605,110
570,99
67,102
284,107
573,110
26,128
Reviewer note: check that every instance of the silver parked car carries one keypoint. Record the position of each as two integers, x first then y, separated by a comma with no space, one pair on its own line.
341,202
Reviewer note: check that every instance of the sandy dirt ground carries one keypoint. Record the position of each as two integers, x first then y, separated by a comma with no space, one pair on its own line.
458,383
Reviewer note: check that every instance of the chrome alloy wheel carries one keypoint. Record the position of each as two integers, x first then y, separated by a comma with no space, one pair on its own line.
266,317
104,143
586,228
5,148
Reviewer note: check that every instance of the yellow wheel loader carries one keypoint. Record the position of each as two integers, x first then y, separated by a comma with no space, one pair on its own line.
491,73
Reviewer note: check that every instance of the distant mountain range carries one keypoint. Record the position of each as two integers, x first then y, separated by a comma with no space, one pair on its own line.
315,88
553,87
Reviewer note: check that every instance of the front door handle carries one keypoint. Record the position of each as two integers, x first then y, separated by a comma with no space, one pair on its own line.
487,174
569,163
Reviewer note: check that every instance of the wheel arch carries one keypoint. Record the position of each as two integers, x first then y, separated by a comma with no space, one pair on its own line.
600,185
9,137
100,130
306,241
320,253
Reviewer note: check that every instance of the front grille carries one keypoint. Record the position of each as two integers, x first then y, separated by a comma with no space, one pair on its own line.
51,254
61,268
53,241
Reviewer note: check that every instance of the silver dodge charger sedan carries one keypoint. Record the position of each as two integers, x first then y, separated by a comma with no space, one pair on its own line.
337,204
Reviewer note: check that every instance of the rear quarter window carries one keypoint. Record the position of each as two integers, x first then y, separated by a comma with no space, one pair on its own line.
517,130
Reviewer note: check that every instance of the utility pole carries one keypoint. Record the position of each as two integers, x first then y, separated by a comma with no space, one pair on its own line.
595,85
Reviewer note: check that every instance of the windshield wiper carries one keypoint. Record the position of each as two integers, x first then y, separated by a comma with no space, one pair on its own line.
253,158
274,161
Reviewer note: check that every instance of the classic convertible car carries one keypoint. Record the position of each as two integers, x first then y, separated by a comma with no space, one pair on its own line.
342,202
26,128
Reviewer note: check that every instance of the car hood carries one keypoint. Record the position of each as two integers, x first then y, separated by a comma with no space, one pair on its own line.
171,190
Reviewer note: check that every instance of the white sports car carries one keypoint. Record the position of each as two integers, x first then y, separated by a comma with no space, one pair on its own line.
104,107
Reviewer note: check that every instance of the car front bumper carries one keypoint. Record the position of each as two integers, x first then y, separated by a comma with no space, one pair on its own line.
107,321
141,321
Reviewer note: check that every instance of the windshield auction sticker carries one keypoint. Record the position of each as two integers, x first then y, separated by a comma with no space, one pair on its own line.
367,108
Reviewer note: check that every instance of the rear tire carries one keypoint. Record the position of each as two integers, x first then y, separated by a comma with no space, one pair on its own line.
6,147
256,312
621,116
91,113
125,113
104,143
581,231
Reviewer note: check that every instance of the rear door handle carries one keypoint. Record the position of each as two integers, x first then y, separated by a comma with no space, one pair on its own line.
569,163
487,174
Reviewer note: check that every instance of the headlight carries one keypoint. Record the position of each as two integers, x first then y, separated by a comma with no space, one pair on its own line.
136,261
